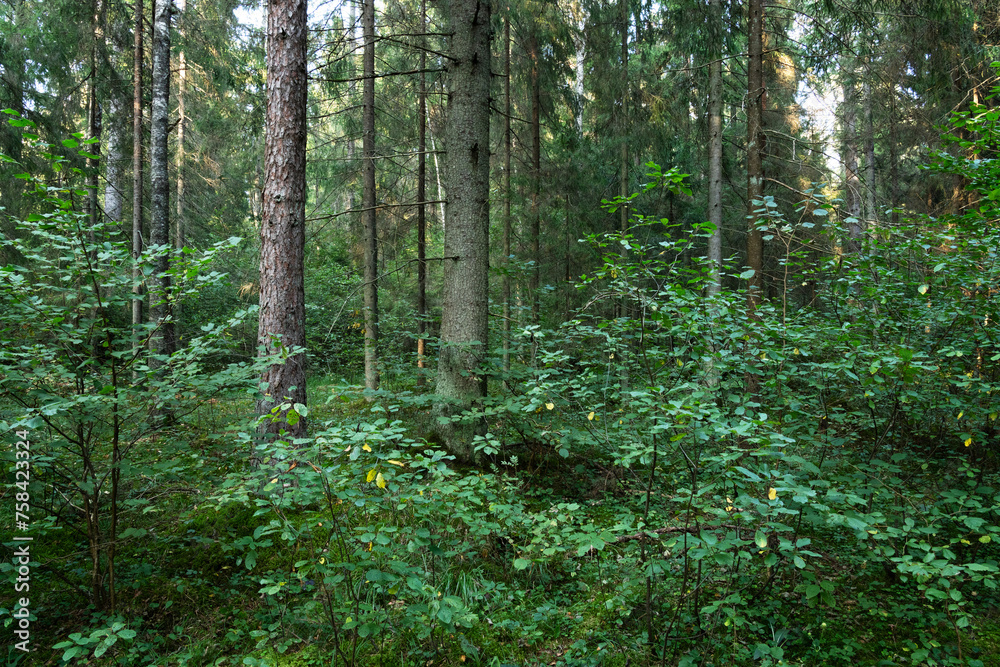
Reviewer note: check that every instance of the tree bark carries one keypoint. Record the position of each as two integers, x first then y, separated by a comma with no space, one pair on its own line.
871,214
464,324
137,173
506,197
536,177
715,157
368,198
422,206
755,154
114,189
852,180
181,129
163,342
281,325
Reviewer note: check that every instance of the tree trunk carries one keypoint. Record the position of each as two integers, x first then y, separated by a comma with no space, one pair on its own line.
506,197
422,206
368,198
852,180
181,129
755,181
159,236
282,234
871,214
94,122
755,154
536,178
464,324
137,171
114,188
715,157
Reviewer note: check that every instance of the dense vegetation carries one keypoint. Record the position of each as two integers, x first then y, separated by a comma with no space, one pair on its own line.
688,451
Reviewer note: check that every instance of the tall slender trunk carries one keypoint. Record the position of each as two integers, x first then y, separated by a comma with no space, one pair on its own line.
580,44
180,224
422,206
368,198
536,177
282,233
852,180
624,120
137,180
114,188
755,154
94,120
715,157
464,323
755,182
506,196
894,191
163,342
871,213
181,155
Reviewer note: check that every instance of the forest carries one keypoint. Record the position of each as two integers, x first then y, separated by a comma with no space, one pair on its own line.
505,334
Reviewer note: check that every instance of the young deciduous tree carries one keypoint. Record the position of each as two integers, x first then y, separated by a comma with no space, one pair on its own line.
282,233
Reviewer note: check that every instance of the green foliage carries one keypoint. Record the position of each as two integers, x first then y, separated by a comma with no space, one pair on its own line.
77,378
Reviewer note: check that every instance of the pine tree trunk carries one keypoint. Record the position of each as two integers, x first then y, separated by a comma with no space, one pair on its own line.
282,234
422,206
464,324
159,234
137,172
368,198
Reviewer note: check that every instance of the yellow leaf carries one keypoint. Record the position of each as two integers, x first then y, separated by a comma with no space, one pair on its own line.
371,475
960,413
985,539
772,493
968,442
590,417
366,447
993,416
550,405
396,463
923,289
680,363
380,481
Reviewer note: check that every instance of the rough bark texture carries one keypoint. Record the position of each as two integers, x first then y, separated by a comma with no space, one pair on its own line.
137,170
422,207
159,231
282,232
506,197
871,213
368,198
181,131
852,180
114,189
466,238
536,178
755,152
715,157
